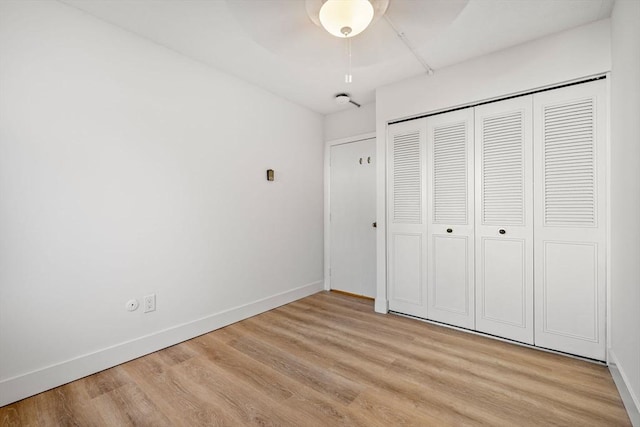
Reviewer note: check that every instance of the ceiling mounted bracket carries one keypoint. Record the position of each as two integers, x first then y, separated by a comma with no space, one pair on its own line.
343,98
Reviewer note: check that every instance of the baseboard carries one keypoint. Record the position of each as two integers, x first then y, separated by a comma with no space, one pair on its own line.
630,400
22,386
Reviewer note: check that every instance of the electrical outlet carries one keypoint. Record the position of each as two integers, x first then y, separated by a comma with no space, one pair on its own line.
150,303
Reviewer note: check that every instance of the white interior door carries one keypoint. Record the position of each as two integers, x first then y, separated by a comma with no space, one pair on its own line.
504,220
352,214
570,219
406,218
450,177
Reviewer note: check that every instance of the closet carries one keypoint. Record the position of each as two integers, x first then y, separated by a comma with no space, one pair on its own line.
496,218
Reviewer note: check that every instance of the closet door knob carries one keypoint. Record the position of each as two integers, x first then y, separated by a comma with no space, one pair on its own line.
502,231
449,230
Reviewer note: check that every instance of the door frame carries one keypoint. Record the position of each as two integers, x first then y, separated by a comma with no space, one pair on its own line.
327,197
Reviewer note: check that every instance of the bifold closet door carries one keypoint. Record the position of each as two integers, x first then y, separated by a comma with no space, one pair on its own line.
406,218
504,220
570,219
450,209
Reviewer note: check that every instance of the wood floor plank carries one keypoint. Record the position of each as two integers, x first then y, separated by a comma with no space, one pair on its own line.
27,411
388,410
67,405
10,417
242,367
105,381
129,406
307,373
328,359
249,407
176,354
315,406
181,406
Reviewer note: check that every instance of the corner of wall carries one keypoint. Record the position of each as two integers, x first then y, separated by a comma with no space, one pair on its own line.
625,204
630,400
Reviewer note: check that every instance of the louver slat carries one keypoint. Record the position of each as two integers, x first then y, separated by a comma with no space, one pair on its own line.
569,164
407,185
450,174
503,170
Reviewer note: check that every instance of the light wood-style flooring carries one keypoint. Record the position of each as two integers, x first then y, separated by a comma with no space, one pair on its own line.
330,360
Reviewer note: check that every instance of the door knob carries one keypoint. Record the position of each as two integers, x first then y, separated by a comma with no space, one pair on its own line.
449,230
502,231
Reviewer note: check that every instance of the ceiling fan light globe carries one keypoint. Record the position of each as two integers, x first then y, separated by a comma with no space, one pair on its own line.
342,99
336,15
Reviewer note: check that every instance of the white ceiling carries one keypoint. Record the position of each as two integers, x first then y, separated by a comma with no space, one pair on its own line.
274,44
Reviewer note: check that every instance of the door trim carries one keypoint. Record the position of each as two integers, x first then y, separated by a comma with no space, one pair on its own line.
327,198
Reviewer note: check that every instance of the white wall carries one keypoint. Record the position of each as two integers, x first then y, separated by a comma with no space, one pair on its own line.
127,169
562,57
625,193
350,122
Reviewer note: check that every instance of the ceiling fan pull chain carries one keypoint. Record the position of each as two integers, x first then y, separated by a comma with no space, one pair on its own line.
348,78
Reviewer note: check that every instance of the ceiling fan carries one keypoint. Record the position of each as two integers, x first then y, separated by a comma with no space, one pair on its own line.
370,29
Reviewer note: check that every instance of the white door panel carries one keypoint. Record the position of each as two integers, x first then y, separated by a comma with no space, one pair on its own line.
504,293
570,223
406,218
450,210
504,220
406,268
450,280
352,204
570,285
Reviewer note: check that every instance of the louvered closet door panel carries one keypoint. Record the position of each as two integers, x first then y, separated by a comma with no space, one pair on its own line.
406,218
504,221
570,219
450,212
